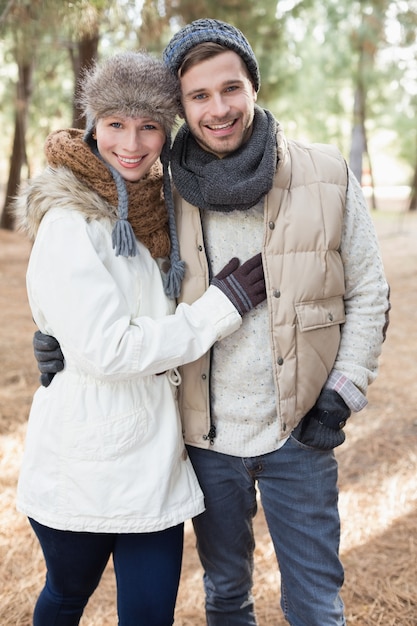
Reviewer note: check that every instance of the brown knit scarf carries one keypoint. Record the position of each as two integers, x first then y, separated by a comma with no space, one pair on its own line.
147,212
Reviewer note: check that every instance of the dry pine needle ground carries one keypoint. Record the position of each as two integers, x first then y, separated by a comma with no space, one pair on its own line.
378,467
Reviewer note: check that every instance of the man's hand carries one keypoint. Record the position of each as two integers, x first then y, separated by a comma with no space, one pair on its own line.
322,427
48,355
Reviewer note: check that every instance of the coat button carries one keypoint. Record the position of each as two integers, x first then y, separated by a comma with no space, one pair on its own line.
271,225
276,293
204,376
200,248
280,360
330,317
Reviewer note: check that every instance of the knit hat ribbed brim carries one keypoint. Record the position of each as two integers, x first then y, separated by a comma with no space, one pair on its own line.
201,31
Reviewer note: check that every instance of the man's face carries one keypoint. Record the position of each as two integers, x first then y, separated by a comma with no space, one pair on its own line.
218,100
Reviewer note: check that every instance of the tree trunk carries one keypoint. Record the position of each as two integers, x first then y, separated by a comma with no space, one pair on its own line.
18,157
359,144
413,192
84,57
357,149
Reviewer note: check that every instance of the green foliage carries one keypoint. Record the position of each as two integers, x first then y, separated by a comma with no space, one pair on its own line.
312,55
46,34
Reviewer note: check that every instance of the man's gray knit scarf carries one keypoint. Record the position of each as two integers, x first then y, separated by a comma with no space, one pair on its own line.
237,181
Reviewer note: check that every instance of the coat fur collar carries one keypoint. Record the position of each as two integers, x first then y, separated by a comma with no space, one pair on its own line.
57,188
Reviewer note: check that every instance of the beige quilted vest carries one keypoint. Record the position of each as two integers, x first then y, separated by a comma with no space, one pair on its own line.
303,217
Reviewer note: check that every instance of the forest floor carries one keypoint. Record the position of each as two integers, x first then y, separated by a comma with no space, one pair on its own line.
378,466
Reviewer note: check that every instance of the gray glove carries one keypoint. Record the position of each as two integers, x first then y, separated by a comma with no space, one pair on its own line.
244,285
48,355
322,426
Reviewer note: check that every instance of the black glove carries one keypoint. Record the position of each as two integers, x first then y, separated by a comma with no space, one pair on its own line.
48,355
244,285
322,426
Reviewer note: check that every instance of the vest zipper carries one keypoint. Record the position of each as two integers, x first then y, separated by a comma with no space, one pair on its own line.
211,434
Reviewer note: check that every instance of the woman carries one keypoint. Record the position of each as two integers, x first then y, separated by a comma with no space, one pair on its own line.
105,470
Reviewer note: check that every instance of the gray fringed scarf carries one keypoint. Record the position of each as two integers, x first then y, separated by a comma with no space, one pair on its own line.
204,180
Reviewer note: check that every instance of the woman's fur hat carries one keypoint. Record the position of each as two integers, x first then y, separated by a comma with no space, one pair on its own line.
133,84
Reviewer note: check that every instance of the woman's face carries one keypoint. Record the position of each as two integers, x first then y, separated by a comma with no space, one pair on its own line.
130,144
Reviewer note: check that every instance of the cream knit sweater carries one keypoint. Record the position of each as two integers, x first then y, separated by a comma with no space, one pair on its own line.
248,426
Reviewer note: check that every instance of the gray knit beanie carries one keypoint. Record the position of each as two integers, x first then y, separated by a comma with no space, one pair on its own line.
135,84
215,31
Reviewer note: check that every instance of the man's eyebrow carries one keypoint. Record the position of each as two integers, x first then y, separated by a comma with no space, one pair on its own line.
232,81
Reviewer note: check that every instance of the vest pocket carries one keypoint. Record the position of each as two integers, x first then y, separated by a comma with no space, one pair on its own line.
320,313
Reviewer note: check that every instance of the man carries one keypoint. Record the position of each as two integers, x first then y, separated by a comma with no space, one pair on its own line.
267,407
316,342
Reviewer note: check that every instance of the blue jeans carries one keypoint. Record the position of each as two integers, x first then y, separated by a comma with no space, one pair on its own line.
299,495
147,568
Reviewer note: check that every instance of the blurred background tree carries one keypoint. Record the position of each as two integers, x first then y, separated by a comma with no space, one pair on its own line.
339,71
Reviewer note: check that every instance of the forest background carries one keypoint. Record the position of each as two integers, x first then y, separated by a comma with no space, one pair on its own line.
338,71
333,71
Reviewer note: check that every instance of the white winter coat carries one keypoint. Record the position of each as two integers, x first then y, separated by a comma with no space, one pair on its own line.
104,449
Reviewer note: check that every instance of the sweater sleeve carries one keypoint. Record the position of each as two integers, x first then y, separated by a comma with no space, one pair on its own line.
366,294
